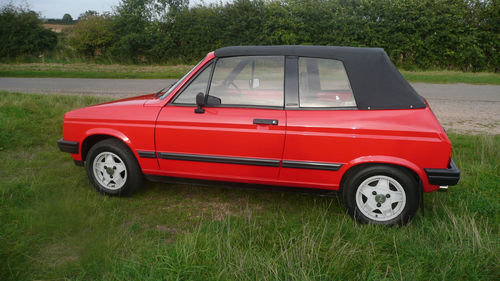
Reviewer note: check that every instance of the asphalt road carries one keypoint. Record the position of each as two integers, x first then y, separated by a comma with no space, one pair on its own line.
459,107
119,87
130,87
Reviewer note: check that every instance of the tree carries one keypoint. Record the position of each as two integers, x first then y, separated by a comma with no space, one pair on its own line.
22,33
133,30
92,35
67,18
175,6
88,13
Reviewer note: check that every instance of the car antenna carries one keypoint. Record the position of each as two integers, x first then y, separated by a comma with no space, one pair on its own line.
159,92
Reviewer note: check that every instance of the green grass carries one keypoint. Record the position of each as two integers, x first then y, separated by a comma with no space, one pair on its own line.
446,77
85,70
55,226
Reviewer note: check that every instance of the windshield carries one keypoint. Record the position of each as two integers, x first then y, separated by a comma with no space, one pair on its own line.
174,86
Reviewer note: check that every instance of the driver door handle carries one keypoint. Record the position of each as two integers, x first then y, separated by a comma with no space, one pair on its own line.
265,121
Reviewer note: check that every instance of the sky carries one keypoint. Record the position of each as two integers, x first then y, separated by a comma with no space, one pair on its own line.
57,8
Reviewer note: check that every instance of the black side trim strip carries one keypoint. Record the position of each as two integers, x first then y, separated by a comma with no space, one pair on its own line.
449,176
311,165
146,154
219,159
68,146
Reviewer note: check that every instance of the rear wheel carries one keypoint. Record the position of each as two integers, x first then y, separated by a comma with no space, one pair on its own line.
112,168
381,194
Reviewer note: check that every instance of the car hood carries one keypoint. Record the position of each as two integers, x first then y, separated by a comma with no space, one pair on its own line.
139,100
113,110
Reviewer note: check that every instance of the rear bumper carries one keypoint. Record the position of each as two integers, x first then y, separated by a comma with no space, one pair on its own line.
449,176
68,146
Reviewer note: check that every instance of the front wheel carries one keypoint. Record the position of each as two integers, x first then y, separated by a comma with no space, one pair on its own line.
112,168
381,195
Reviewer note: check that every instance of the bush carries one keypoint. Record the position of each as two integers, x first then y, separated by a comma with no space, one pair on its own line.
92,35
22,33
452,34
424,34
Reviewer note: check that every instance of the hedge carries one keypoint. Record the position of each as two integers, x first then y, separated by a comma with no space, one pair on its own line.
424,34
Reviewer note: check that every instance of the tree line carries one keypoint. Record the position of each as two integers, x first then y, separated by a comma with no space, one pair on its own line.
424,34
66,19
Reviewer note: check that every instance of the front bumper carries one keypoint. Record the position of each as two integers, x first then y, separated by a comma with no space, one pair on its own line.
68,146
449,176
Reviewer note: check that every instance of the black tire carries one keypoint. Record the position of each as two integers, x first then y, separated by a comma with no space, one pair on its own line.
370,174
133,172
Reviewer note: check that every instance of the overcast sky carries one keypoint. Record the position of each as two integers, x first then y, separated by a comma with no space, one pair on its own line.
57,8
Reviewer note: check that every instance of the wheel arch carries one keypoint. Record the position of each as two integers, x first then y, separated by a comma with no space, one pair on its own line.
402,164
95,136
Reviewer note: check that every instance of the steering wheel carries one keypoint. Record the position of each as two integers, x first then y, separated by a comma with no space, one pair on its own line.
234,84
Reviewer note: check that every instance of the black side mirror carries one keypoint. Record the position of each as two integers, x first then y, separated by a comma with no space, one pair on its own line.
211,100
200,102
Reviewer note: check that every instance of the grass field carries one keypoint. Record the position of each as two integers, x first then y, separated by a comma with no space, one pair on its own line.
55,226
446,77
83,70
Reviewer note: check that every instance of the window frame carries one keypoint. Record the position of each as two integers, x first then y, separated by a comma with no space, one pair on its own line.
178,82
291,86
184,87
293,101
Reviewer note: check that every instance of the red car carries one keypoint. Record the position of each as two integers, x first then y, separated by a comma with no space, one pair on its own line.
325,118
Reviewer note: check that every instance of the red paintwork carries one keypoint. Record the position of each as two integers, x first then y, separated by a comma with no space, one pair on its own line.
220,132
128,120
411,138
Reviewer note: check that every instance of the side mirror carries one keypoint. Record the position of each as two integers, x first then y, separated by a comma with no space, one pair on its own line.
200,102
211,100
254,83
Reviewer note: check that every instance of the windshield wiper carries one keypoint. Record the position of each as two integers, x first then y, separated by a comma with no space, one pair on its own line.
159,92
169,87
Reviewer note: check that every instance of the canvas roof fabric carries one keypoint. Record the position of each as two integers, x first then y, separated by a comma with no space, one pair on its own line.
375,81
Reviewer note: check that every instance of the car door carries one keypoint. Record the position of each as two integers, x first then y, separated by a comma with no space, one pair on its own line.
241,138
320,123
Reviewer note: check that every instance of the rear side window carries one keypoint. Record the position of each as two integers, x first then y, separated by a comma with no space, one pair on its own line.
249,81
324,83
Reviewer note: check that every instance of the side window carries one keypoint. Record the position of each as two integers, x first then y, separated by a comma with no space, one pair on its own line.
324,83
199,84
249,81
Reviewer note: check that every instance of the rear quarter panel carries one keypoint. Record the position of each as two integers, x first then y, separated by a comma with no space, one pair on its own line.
412,138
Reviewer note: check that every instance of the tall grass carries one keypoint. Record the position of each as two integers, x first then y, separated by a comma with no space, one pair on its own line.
55,226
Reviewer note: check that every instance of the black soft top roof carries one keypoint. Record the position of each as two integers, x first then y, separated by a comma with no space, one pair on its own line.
375,81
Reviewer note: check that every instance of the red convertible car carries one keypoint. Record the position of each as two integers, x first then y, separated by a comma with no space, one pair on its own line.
325,118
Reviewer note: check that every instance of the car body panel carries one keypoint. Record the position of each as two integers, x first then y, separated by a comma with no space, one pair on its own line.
226,132
127,119
353,137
